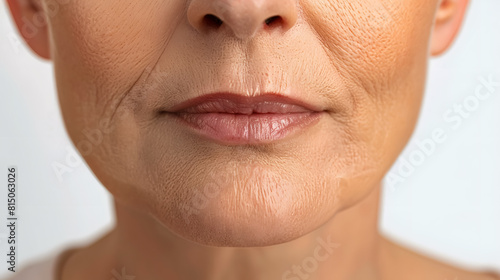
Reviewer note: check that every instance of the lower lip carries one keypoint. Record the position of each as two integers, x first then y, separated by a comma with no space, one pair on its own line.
240,129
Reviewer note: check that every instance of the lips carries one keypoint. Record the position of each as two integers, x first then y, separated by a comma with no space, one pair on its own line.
241,120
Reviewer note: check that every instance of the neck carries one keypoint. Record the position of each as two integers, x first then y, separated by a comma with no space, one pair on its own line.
344,248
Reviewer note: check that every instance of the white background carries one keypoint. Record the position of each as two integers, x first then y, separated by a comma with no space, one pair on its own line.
448,207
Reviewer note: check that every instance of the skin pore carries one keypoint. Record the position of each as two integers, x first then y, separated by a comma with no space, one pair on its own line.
189,208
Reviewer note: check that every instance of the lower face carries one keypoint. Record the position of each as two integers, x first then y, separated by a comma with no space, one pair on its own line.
363,61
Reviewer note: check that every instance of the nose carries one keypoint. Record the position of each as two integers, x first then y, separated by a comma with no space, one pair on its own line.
244,17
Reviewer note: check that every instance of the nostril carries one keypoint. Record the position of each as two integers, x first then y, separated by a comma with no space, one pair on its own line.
212,21
273,20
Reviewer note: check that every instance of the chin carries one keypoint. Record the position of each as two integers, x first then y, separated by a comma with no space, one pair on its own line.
260,211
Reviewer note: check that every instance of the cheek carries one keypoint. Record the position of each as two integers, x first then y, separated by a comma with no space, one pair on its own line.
374,43
98,58
98,61
381,49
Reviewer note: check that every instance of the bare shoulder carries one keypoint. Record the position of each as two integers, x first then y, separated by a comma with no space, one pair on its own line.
398,262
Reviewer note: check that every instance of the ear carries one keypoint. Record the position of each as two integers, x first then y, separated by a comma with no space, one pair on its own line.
449,18
31,22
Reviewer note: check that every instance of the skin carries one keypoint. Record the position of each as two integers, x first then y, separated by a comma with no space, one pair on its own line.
188,208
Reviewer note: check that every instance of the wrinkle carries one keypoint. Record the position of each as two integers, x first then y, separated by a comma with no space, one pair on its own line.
145,75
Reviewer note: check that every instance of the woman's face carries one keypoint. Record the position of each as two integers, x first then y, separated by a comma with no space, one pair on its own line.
120,63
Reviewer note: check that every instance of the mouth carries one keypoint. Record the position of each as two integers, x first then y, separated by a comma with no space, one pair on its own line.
232,119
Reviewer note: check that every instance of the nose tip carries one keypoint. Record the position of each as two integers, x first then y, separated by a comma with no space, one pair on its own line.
244,17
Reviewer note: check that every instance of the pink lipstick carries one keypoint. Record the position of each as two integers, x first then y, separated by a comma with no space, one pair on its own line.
241,120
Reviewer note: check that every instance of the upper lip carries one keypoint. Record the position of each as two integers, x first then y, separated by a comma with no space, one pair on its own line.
231,103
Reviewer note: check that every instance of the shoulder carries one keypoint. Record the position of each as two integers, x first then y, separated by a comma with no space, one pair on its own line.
42,269
413,265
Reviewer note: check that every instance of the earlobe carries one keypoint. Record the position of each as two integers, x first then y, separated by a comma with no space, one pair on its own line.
31,22
449,18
